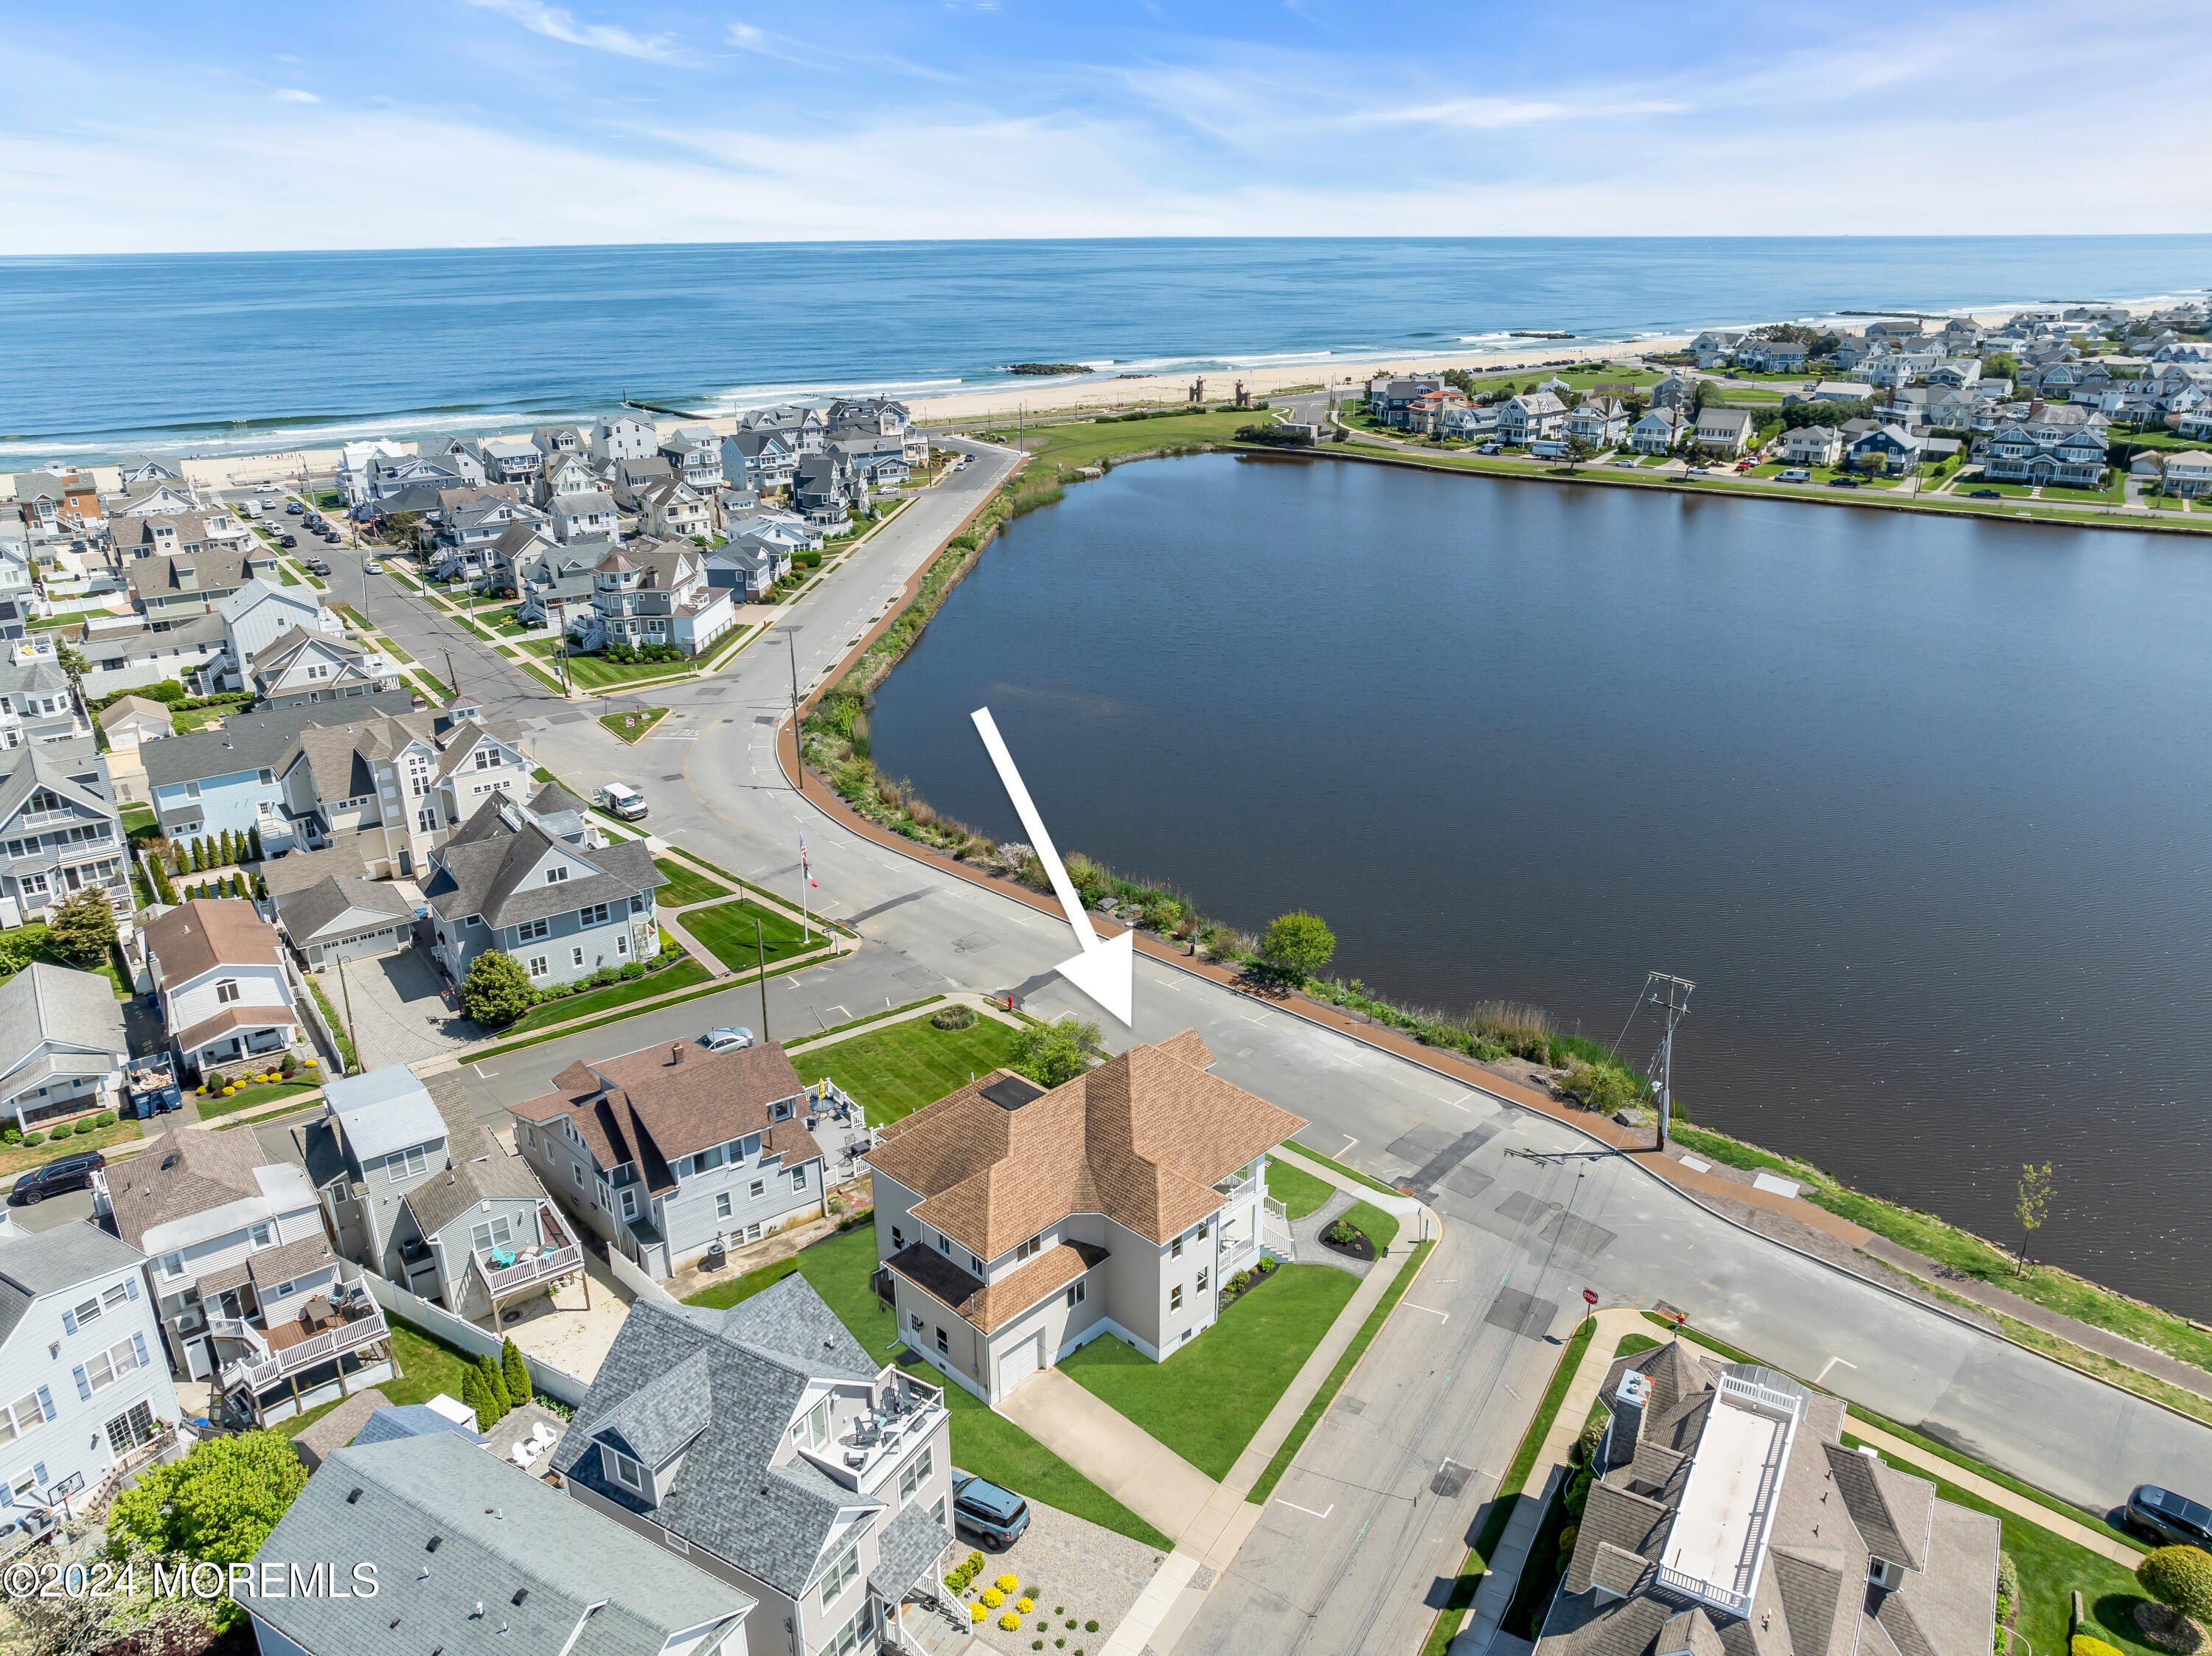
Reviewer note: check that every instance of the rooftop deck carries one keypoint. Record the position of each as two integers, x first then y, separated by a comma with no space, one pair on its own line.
1719,1536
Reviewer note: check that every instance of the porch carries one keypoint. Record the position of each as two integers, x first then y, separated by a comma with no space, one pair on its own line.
333,1347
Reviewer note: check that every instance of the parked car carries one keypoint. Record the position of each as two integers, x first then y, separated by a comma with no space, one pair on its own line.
622,800
294,507
2163,1515
374,567
63,1173
288,542
1795,475
319,565
331,535
1843,482
1984,495
726,1039
998,1516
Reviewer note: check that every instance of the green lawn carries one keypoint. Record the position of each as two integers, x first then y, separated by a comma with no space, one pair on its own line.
896,1071
667,980
727,931
247,1098
982,1442
634,726
1207,1404
597,673
429,1365
136,817
437,686
1379,1228
189,720
1085,444
683,886
1298,1191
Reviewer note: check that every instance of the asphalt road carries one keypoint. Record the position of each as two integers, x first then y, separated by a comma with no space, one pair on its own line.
1351,1548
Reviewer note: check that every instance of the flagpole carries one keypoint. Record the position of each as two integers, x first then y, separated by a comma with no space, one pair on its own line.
806,876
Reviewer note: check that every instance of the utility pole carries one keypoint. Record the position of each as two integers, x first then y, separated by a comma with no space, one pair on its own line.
453,678
345,995
760,953
798,748
1671,995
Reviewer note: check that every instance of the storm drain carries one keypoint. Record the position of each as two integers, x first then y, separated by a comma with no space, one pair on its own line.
1521,1314
1451,1479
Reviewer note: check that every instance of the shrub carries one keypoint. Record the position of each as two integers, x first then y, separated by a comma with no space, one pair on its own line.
1008,1583
1240,1281
11,1134
1592,1435
2180,1578
2083,1645
1025,1606
2008,1578
105,1118
31,1138
1091,1627
634,970
994,1596
1010,1622
291,1066
1297,945
496,991
954,1017
976,1612
1567,1539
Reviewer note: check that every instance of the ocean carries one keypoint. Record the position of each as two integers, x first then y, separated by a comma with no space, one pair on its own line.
203,353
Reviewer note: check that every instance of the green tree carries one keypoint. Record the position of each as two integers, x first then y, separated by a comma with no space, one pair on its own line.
253,844
2180,1578
81,926
514,1373
1297,945
225,852
472,1397
494,1389
72,662
2030,1205
1706,393
1052,1053
199,855
164,892
168,692
1603,1086
496,991
1579,451
132,1618
217,1504
399,528
1999,365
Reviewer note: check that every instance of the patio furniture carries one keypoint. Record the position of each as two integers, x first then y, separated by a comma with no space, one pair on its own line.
502,1258
522,1452
542,1435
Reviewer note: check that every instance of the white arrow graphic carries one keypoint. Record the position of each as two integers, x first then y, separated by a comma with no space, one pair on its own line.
1106,969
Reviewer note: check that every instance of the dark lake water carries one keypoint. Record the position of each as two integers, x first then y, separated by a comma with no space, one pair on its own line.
1921,805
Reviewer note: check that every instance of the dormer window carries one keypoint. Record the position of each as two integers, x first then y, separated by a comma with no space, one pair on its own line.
622,1470
555,875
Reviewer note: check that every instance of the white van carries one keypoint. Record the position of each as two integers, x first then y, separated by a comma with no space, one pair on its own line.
248,510
623,801
1795,475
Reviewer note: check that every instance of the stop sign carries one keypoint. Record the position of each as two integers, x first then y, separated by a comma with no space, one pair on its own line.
1589,1296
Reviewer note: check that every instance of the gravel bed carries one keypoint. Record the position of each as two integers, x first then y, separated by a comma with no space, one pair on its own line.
1089,1574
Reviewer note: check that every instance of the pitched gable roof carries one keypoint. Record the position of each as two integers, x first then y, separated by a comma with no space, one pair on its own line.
1141,1139
197,937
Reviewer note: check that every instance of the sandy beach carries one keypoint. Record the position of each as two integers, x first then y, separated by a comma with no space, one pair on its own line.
1154,391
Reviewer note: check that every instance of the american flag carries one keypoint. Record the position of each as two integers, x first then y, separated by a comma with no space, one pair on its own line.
803,867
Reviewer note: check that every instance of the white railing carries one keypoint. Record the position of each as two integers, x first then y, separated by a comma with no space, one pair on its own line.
519,1274
1276,1229
1759,1396
232,1328
31,819
1735,1604
331,1342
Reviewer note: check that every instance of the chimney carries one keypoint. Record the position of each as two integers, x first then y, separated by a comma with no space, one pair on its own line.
676,1052
1630,1399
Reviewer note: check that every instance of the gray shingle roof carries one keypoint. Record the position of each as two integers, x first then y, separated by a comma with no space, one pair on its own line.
515,1567
44,1003
36,1262
482,1169
1894,1512
251,741
186,1170
755,1359
484,876
311,910
906,1552
407,1419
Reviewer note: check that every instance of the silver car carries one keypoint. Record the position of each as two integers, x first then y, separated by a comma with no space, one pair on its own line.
727,1041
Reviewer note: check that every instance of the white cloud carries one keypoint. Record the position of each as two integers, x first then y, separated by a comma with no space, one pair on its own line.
558,24
1495,114
292,95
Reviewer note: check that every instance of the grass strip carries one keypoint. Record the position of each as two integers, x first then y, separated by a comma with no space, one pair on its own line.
444,693
854,1023
683,886
1289,1451
822,921
2026,1491
1461,1596
715,988
338,1026
1349,1173
634,727
679,973
1298,1191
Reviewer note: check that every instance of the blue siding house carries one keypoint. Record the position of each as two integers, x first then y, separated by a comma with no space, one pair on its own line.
231,778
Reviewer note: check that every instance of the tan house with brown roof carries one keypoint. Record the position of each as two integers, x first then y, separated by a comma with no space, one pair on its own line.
1016,1224
219,971
667,1151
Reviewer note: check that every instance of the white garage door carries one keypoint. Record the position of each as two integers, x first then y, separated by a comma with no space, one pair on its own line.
1019,1364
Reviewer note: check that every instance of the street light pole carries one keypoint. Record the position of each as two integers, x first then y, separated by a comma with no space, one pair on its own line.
798,750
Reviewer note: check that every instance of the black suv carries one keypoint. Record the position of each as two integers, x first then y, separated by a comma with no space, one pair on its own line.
2168,1517
63,1173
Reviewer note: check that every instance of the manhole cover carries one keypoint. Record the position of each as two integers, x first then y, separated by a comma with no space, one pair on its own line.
678,776
1451,1479
1555,1206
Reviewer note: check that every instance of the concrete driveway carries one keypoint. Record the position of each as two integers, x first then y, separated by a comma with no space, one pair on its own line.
1109,1449
400,1015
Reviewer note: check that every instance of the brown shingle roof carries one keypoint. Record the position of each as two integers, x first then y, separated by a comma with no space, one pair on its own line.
272,1266
235,1017
197,937
186,1170
653,1106
1141,1139
991,1306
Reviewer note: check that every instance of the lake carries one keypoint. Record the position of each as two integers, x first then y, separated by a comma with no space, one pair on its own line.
1920,803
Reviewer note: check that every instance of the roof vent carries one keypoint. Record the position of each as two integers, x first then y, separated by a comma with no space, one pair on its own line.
521,1595
171,1161
433,1546
1011,1092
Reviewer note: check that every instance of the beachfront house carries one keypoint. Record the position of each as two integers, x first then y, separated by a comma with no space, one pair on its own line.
59,830
219,976
1729,1515
804,429
1016,1224
617,437
1658,431
62,1046
673,1151
85,1396
1533,416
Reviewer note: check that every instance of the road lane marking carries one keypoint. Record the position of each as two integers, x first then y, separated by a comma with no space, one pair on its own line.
1308,1511
1822,1376
1348,1143
1431,1309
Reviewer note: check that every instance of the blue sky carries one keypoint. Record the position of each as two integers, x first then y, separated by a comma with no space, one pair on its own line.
415,123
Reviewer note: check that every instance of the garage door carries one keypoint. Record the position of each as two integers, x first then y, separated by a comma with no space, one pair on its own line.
1019,1364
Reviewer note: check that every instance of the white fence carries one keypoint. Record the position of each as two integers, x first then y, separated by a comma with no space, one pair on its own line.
631,1278
406,1307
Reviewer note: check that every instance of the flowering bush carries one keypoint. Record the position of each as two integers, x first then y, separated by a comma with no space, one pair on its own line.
1010,1622
1024,1605
976,1612
993,1598
1008,1583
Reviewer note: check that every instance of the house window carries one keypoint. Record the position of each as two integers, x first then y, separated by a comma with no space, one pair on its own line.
1077,1294
945,1245
531,930
24,1487
841,1575
975,1265
109,1366
172,1264
595,915
495,1232
759,1189
943,1345
579,956
624,1471
722,1205
799,1177
1201,1282
115,1295
937,1509
20,1416
426,820
1174,1297
1203,1228
226,991
537,966
407,1164
1175,1250
260,1234
554,875
88,1312
898,1239
913,1320
268,778
854,1634
486,758
1030,1249
916,1474
629,1205
621,945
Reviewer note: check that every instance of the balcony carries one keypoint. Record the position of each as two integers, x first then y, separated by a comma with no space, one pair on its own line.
903,1412
39,819
276,1354
510,1271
